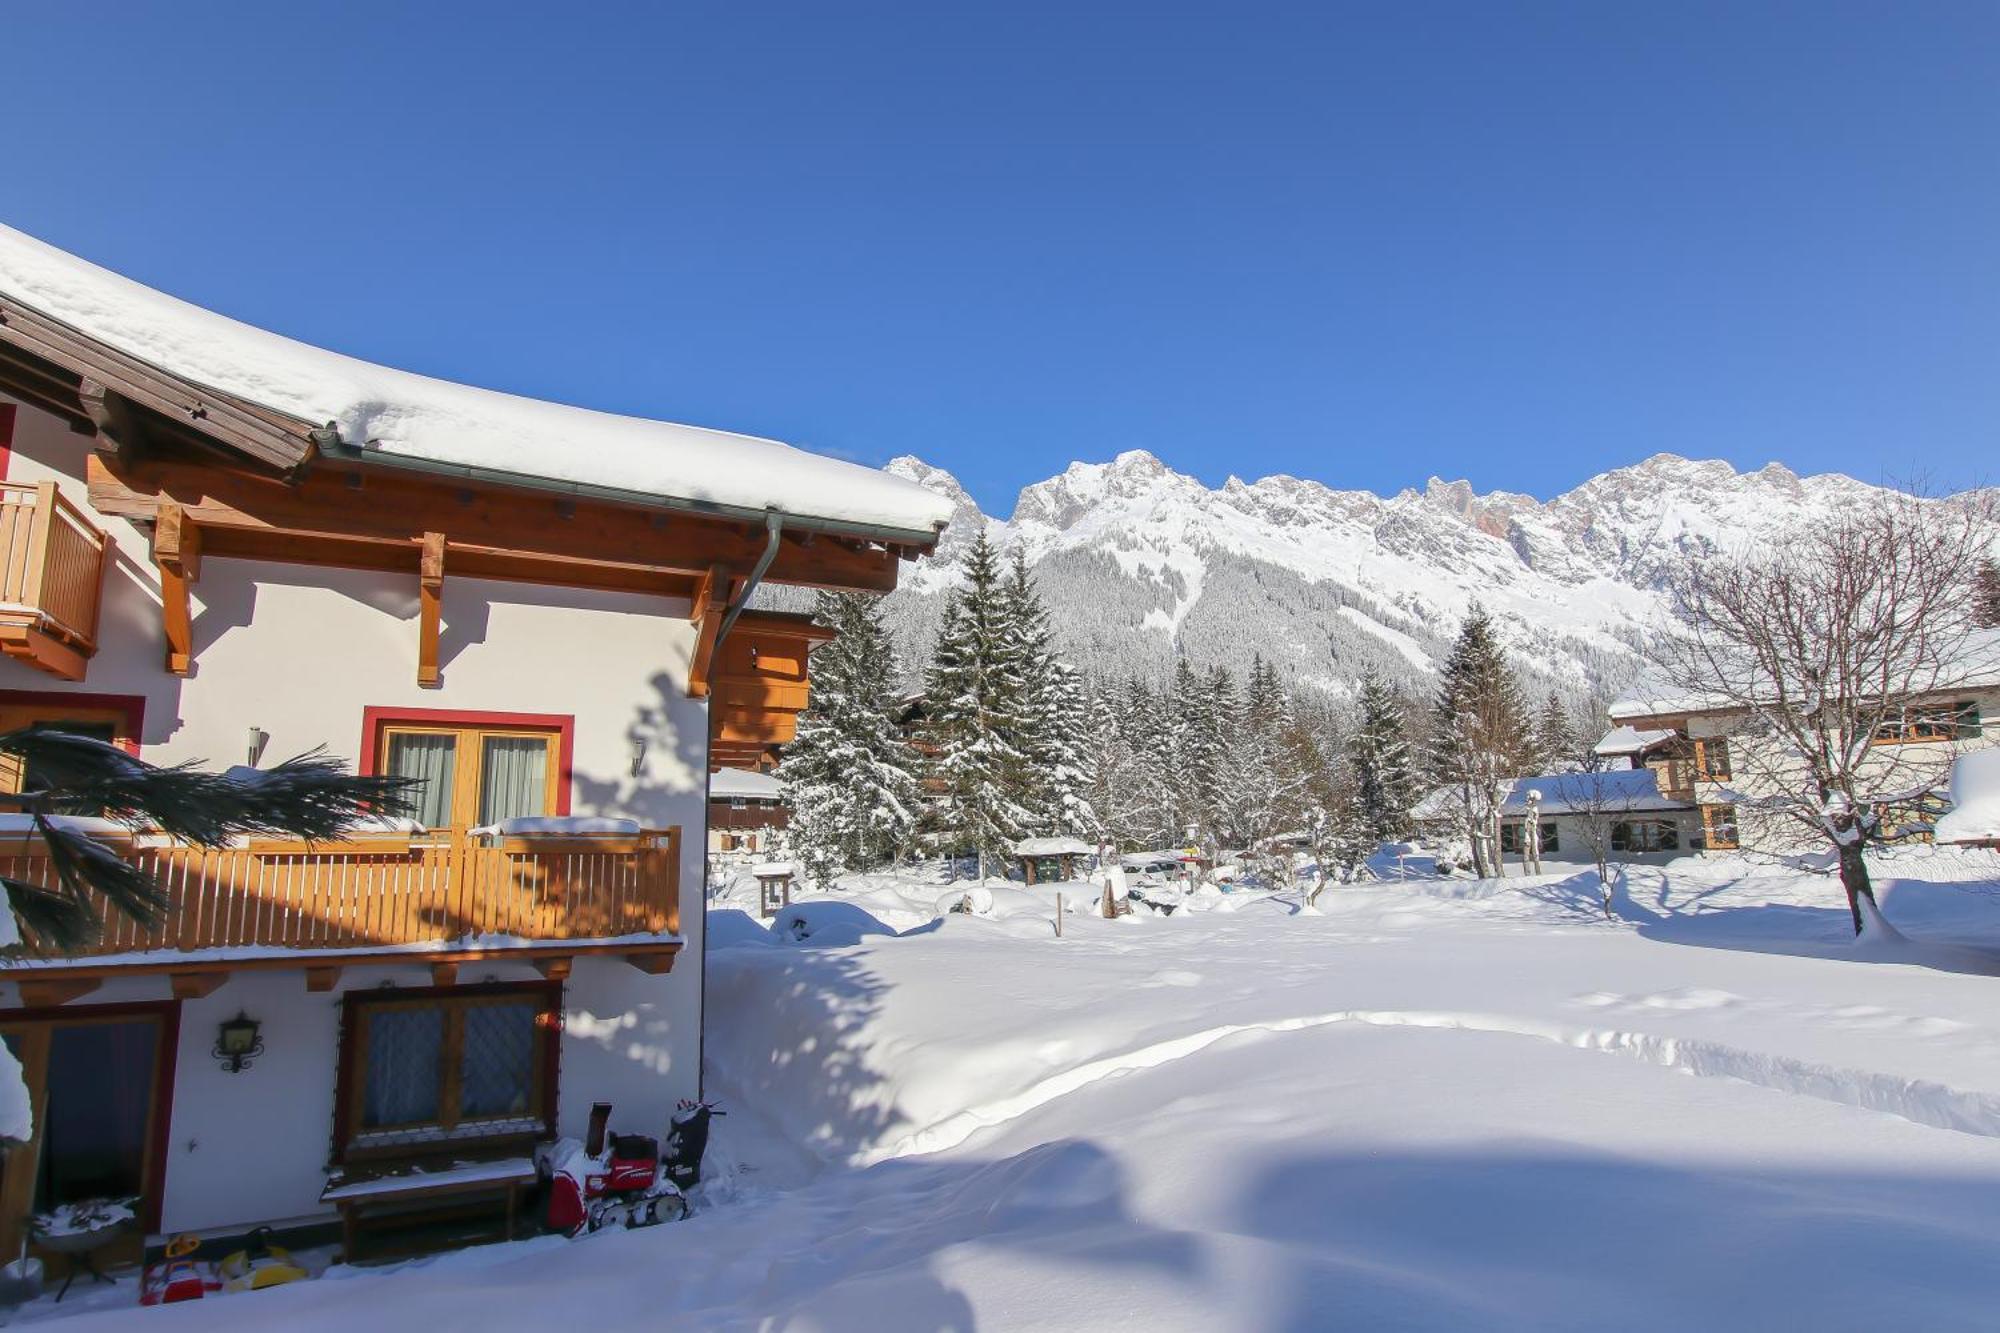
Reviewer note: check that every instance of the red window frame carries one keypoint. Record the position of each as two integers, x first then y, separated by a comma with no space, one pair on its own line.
374,719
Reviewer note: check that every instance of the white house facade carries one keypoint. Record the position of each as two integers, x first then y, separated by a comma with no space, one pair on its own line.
218,548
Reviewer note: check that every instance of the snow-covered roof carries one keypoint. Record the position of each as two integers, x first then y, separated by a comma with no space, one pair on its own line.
1977,666
1622,790
1975,799
1052,847
397,414
774,870
741,784
1630,740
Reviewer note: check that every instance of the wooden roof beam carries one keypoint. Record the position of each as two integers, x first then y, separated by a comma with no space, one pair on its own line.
484,522
264,434
120,430
711,604
430,591
177,554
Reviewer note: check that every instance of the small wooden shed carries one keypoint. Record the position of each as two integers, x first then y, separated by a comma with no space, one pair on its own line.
1050,860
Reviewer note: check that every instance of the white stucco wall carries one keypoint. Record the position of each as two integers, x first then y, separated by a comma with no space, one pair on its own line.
301,651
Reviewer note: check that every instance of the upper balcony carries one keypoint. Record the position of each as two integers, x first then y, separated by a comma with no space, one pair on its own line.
51,572
320,907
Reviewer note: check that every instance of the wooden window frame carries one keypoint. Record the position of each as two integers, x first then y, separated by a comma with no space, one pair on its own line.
24,708
351,1083
377,724
1938,724
166,1054
1712,760
1712,819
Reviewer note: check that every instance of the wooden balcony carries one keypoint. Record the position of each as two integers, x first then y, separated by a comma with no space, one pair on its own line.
51,571
324,906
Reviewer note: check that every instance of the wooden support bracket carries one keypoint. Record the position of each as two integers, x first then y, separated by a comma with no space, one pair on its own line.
652,964
430,583
177,553
58,991
711,603
553,969
444,974
322,978
197,985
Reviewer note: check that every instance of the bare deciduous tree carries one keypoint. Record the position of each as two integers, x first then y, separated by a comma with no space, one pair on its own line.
1837,646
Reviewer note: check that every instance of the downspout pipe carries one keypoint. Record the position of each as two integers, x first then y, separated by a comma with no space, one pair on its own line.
774,527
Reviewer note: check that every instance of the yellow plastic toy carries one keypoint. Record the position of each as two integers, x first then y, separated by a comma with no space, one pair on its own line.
270,1266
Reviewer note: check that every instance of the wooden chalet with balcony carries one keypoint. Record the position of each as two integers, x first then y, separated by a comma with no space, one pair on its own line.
217,544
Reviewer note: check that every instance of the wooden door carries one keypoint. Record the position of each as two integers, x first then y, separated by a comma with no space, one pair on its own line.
100,1083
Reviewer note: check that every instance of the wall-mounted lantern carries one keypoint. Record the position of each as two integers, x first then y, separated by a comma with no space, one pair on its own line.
638,755
259,738
237,1044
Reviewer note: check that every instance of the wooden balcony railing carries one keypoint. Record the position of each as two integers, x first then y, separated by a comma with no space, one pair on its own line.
388,894
51,572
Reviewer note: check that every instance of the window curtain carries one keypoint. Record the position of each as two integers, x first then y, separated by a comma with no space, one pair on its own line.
498,1073
432,760
513,778
405,1049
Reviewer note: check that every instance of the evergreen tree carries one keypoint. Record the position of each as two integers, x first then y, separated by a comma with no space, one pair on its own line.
1556,748
1384,777
1055,724
977,691
1197,750
1986,594
1480,735
849,777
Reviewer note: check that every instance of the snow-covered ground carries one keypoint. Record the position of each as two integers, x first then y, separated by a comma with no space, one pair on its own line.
1430,1104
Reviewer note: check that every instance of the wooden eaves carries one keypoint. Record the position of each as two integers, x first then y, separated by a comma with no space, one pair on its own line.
212,474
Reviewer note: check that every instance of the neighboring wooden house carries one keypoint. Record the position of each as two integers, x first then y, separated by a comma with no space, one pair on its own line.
746,811
1715,759
221,545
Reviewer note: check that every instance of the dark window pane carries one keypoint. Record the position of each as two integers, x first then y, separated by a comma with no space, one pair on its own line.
498,1070
405,1047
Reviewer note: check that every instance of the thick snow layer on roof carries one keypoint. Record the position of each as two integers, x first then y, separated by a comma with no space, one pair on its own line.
1052,847
1975,799
1611,790
742,784
1973,665
1630,740
395,412
1634,790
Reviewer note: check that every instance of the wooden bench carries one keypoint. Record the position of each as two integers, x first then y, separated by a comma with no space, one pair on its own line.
406,1196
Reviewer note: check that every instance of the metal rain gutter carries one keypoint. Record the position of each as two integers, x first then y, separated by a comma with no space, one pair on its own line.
329,443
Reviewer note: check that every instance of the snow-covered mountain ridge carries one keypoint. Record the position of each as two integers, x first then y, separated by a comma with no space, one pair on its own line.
1140,562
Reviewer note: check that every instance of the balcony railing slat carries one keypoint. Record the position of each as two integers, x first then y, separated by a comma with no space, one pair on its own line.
357,895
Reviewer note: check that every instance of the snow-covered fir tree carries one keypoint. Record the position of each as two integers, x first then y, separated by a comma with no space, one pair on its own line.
1986,594
1481,736
1384,768
1263,784
1556,747
977,691
848,775
1055,729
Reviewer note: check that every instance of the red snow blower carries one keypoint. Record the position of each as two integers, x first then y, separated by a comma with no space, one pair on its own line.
609,1179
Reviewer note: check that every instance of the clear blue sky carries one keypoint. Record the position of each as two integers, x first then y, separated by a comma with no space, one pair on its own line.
1516,243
